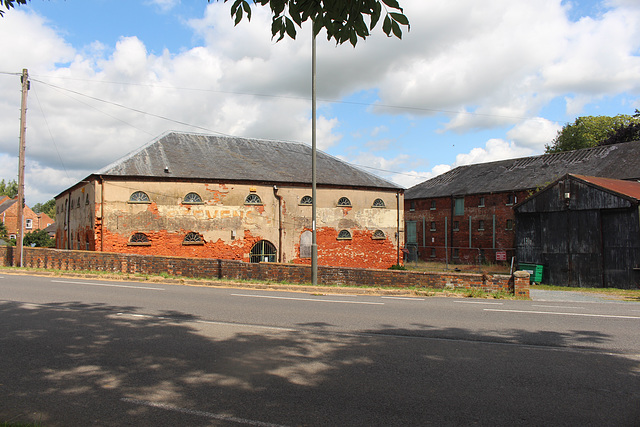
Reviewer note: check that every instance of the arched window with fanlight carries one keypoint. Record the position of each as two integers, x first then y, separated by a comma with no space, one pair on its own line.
344,202
344,235
139,239
192,199
193,238
139,197
253,199
306,201
379,203
263,251
378,235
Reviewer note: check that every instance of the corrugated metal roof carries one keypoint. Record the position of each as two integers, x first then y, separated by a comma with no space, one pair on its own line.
196,156
618,161
625,188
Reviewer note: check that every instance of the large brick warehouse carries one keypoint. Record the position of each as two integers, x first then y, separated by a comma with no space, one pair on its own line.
233,198
466,214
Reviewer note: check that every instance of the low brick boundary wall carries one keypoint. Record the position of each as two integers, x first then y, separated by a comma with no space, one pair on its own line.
62,259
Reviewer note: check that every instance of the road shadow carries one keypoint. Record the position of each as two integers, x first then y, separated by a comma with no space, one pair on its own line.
92,364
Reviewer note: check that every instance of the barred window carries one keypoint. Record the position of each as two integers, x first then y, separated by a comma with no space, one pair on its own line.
378,203
253,199
192,198
306,200
378,235
193,238
344,202
139,197
139,239
344,235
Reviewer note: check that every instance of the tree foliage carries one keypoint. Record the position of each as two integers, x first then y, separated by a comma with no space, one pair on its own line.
48,207
9,4
589,131
9,188
626,133
39,238
343,20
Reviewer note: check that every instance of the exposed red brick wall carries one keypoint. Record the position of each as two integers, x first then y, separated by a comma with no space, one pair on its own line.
482,241
360,250
233,269
165,243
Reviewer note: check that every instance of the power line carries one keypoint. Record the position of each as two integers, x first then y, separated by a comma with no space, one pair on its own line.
181,122
302,98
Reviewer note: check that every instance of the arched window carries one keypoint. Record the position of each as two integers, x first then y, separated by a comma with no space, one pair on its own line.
306,200
378,235
263,251
253,199
139,197
378,203
192,199
193,238
344,202
86,202
344,235
139,239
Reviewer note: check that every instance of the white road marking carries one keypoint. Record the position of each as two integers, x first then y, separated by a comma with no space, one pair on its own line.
405,298
610,316
308,299
221,417
108,285
480,302
554,306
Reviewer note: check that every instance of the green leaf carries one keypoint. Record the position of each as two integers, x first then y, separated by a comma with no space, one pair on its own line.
396,29
392,3
290,28
386,25
247,9
375,16
400,18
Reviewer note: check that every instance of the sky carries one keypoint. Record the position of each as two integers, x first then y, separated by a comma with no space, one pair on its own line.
471,82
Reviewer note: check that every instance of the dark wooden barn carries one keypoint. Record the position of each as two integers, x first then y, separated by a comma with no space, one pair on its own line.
584,230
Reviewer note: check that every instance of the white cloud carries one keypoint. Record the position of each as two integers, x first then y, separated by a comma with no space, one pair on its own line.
494,64
164,5
495,149
534,133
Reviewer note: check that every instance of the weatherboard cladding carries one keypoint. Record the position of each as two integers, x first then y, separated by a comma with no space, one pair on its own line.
618,161
196,156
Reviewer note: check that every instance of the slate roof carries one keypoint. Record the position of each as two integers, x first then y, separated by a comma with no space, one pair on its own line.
197,156
6,202
618,161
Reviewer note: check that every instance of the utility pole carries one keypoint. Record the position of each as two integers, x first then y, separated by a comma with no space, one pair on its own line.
314,199
23,129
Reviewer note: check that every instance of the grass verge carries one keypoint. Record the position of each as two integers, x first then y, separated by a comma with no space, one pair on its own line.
294,287
610,293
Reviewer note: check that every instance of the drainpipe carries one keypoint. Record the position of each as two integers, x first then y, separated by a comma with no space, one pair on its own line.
101,214
398,228
275,193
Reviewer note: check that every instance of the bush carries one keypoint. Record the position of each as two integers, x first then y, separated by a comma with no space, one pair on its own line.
397,267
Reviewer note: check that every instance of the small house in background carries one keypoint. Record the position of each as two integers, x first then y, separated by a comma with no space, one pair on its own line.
193,195
32,221
466,215
584,231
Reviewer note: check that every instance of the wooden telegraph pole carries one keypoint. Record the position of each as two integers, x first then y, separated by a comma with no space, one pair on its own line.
23,130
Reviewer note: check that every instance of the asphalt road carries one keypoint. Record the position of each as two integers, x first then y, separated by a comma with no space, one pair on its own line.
79,352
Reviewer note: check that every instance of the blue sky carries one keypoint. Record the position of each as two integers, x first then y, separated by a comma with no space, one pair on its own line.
471,82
